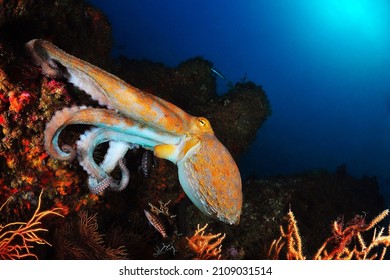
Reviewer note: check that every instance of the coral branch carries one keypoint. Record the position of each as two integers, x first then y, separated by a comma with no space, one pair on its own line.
164,209
346,242
79,238
292,241
207,246
18,238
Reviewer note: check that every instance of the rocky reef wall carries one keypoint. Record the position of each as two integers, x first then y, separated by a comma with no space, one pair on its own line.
116,221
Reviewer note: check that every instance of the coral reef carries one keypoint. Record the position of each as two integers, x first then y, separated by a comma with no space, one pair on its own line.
316,198
346,243
17,239
27,100
26,105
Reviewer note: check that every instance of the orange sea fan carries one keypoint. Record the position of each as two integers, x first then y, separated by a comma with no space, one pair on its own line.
345,243
206,246
18,238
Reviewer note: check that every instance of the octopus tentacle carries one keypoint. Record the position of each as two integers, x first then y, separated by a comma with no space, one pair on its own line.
53,130
116,151
85,148
114,156
125,176
96,187
101,118
109,90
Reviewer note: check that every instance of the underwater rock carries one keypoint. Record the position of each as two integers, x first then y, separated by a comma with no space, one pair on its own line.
317,198
73,24
237,115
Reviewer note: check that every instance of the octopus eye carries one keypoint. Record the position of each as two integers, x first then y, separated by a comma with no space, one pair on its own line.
202,122
203,125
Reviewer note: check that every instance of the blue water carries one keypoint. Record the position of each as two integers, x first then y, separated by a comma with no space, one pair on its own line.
324,64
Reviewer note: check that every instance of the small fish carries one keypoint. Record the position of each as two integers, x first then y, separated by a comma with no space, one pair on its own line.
217,73
148,161
156,222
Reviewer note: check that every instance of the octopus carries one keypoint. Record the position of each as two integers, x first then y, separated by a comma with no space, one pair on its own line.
130,118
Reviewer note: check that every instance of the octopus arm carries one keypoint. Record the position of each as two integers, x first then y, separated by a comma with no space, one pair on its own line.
88,143
99,178
116,152
127,129
108,89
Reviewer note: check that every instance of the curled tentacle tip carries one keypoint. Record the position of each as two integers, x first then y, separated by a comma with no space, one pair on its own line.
125,176
71,153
